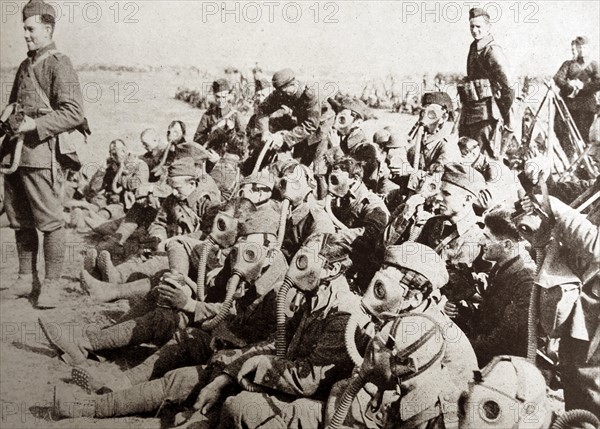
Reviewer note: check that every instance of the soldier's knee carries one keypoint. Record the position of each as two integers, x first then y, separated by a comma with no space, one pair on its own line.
180,383
247,408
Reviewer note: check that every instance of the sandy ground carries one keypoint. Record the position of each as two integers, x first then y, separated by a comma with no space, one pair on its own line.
29,368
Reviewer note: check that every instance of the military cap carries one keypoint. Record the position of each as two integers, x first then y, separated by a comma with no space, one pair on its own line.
438,97
183,167
261,222
38,7
477,11
220,85
353,104
465,177
580,40
283,77
263,178
382,137
419,258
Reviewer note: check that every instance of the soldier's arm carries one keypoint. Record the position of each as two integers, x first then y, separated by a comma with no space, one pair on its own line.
309,125
560,78
203,129
270,105
15,87
158,228
499,70
302,377
593,84
67,101
575,229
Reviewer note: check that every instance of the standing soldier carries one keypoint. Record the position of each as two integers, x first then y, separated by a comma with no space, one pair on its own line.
579,80
47,88
487,94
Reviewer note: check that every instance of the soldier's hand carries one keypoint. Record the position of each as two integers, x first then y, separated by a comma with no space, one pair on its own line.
276,140
211,393
27,125
538,169
249,368
171,297
451,310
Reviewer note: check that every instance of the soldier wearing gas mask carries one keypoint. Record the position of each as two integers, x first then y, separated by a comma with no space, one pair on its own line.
438,144
253,272
350,114
404,364
310,357
362,212
307,217
405,283
566,294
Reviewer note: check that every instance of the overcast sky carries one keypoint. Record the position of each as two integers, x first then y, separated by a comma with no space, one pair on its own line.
330,38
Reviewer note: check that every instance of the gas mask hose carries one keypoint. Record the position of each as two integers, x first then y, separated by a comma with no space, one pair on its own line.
232,286
575,418
207,246
341,410
280,338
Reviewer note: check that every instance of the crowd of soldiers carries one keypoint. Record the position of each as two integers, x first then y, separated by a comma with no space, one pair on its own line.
293,273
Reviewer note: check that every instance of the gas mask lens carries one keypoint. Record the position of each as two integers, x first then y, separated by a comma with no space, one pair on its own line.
302,262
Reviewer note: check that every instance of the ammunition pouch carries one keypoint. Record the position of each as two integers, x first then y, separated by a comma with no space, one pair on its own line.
475,90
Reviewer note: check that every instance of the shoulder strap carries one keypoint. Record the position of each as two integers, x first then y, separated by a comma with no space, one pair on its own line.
36,84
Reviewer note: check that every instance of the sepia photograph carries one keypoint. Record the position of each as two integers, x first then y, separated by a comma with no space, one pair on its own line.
299,214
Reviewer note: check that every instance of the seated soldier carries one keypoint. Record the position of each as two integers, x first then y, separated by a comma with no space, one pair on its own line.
353,142
404,363
502,185
228,150
220,115
499,325
455,234
362,212
315,358
176,307
253,320
180,214
439,145
183,256
155,149
404,284
307,217
124,174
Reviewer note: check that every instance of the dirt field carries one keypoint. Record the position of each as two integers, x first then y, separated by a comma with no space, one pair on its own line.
29,369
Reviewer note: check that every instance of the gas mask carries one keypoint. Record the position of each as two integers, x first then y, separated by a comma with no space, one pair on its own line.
306,268
344,121
533,228
224,230
248,258
432,117
339,183
389,291
510,392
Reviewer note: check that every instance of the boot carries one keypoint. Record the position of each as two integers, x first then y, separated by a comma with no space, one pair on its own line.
138,399
68,404
23,286
99,291
49,294
93,380
71,353
27,248
90,258
107,292
108,271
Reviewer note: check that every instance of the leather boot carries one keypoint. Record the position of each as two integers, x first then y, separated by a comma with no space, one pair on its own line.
142,398
49,294
71,404
71,352
98,290
94,380
90,258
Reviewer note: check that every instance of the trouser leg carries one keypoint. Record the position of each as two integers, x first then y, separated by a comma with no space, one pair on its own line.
580,379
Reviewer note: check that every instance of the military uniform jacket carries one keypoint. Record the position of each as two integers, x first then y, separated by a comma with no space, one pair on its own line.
438,149
135,173
58,80
213,118
585,100
316,356
486,60
306,136
177,217
500,323
305,220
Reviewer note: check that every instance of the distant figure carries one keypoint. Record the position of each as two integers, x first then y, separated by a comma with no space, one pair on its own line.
578,80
